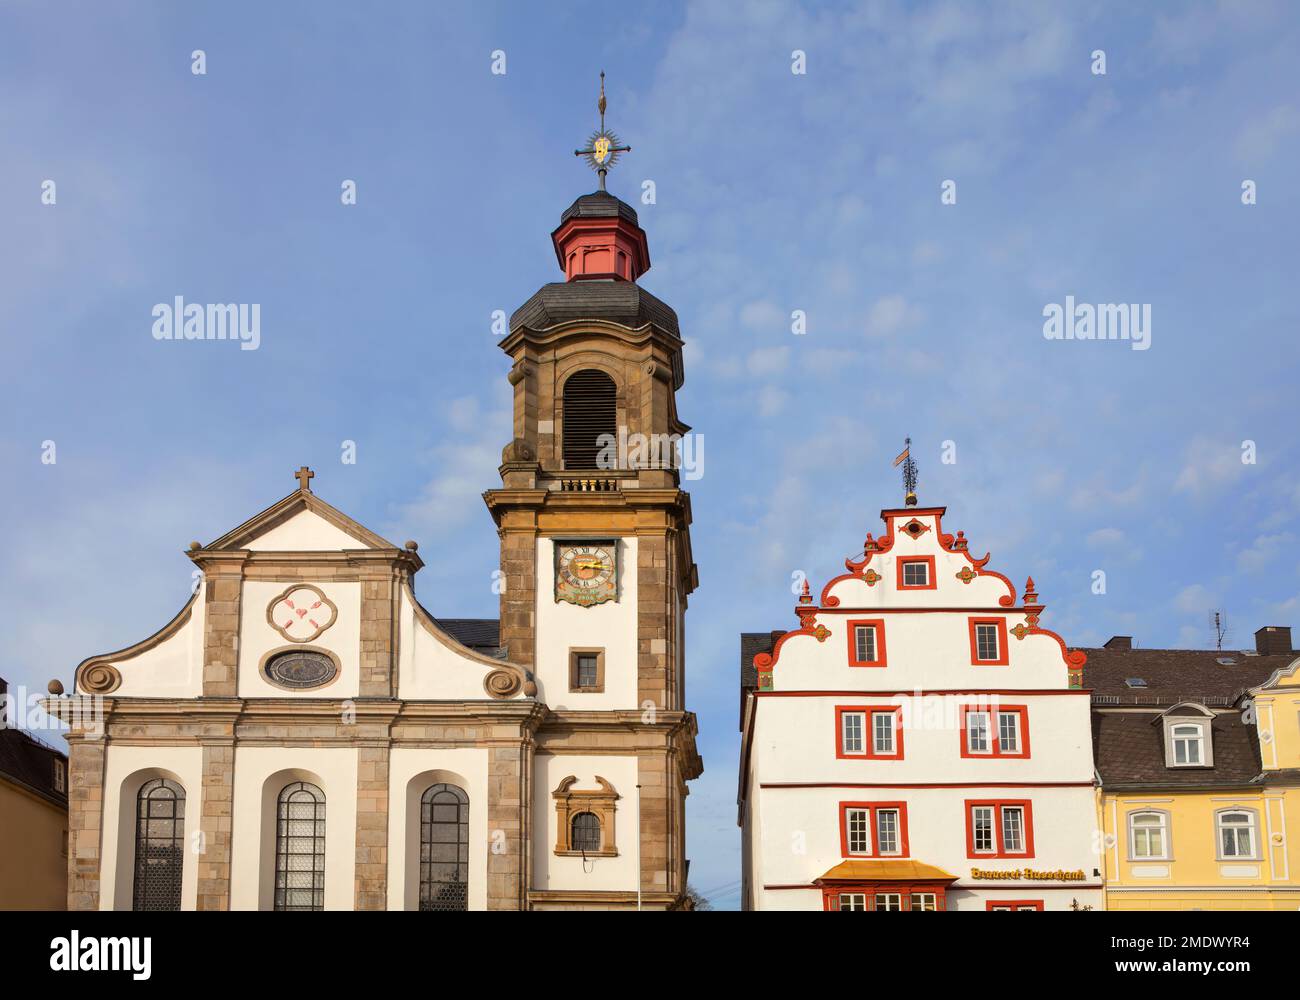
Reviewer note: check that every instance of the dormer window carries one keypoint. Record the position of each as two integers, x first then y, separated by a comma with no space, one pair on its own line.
1188,741
1188,736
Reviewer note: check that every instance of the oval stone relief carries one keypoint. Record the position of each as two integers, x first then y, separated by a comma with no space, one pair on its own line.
301,668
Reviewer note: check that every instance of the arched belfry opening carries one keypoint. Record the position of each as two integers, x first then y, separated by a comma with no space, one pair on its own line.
590,410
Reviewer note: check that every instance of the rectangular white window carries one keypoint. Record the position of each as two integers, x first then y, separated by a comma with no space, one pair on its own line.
923,901
887,831
852,724
1237,834
1013,829
986,642
916,574
977,732
864,642
858,830
853,901
882,727
981,819
889,901
1187,742
1009,732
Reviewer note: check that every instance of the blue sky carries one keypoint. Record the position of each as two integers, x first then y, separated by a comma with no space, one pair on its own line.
775,192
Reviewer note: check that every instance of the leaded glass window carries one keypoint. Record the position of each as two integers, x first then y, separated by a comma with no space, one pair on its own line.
586,832
300,848
444,848
159,845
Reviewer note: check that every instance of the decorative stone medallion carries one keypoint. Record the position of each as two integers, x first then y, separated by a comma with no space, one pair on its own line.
299,669
302,613
100,678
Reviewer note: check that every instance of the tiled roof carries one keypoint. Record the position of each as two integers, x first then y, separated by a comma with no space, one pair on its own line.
622,302
1129,750
483,635
1175,675
29,763
751,644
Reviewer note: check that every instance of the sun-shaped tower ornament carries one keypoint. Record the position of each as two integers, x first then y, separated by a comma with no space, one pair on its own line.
603,146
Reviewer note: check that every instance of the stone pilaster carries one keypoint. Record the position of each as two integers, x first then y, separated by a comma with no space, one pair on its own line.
656,822
216,826
221,630
506,827
519,599
653,616
377,640
371,880
85,821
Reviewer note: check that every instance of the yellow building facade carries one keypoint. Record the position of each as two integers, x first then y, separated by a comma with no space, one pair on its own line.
1198,756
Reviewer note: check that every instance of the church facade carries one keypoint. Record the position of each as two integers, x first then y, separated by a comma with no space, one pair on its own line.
918,742
306,735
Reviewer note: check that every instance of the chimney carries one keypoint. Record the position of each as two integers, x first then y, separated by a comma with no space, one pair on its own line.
1119,642
1273,640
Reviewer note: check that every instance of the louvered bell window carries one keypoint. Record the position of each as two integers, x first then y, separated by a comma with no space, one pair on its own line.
590,410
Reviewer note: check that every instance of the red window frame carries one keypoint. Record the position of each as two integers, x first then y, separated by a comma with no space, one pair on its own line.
999,850
899,562
1003,651
831,893
871,807
868,732
1020,904
881,659
995,744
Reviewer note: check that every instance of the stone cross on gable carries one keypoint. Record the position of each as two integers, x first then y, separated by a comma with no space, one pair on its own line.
304,475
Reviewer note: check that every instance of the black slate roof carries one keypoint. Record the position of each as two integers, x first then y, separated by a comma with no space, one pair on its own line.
31,764
1128,748
483,635
751,644
599,204
1176,675
622,302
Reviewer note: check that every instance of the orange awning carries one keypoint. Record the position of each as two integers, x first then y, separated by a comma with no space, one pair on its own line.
897,870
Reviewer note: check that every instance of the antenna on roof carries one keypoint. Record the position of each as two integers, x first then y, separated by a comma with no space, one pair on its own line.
1219,628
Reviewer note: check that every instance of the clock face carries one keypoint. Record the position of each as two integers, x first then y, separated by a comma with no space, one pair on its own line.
586,573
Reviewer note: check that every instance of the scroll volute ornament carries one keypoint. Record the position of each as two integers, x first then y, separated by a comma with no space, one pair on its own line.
100,678
508,681
600,802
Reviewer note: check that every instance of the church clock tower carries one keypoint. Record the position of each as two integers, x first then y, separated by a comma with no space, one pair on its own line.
596,561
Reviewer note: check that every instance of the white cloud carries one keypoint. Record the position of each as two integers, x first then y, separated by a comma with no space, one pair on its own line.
771,400
1264,550
891,315
1104,537
1195,599
1260,136
763,316
1209,465
767,360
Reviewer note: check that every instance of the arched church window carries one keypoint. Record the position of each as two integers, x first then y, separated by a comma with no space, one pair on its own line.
586,832
159,845
590,410
444,848
300,848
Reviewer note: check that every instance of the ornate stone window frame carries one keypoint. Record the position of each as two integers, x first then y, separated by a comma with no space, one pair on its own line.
271,654
599,653
570,801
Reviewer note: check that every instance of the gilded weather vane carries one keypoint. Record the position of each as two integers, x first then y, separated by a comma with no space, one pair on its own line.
603,147
909,472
